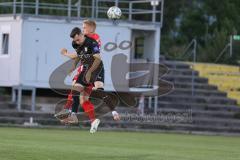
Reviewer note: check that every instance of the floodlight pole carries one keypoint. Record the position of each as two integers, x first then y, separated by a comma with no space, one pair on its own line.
22,7
69,8
36,7
14,9
79,8
93,8
116,3
154,4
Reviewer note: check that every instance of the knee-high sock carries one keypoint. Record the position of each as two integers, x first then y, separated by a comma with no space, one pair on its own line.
69,103
99,93
89,110
75,104
107,100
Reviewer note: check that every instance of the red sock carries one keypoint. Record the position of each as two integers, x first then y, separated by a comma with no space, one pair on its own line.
69,103
89,109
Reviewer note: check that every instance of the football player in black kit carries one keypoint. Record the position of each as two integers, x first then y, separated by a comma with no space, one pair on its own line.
88,52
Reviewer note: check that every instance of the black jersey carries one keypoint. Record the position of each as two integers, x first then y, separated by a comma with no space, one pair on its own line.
87,50
92,43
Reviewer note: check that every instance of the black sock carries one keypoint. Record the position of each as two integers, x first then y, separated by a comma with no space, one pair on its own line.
75,104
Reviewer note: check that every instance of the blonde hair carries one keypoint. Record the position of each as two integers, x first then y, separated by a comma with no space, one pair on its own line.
90,23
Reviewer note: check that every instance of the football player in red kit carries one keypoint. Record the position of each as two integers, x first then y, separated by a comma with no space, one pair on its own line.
72,105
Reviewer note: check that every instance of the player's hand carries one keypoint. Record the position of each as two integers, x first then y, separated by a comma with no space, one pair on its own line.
64,51
88,76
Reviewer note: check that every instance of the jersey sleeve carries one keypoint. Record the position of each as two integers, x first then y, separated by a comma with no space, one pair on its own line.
95,48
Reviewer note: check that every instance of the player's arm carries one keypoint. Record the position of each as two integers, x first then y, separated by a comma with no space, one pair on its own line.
76,61
74,65
67,54
96,63
96,56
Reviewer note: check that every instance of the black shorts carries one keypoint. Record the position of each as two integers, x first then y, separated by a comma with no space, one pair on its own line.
81,79
97,74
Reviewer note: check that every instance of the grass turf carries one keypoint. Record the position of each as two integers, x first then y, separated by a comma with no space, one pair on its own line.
60,144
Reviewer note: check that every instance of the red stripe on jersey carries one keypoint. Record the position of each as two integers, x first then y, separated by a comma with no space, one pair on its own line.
96,37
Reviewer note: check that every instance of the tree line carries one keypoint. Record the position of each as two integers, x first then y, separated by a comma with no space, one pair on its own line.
210,22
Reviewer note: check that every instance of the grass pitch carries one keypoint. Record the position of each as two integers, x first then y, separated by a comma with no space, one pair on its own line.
60,144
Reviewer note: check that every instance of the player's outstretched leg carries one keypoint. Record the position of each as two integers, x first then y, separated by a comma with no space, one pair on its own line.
109,99
72,118
66,111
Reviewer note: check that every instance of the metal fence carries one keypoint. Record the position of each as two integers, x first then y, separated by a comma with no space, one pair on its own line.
139,10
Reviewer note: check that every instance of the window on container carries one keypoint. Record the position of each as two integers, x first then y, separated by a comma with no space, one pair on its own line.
5,43
139,48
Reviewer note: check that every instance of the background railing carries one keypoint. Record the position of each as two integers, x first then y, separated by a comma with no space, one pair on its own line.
139,10
230,53
191,52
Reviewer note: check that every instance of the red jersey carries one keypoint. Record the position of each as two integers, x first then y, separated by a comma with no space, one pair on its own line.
96,37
